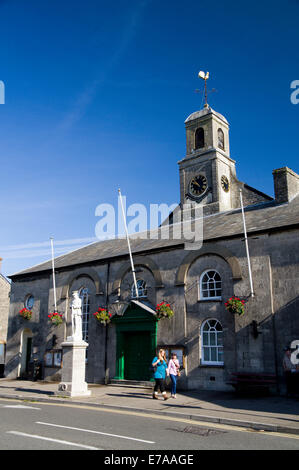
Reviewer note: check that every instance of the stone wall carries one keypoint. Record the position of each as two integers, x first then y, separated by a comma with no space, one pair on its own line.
274,262
4,307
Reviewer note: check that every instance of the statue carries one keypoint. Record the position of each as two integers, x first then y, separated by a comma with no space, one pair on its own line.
76,316
73,382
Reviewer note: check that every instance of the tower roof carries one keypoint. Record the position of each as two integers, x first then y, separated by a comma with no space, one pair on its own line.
204,112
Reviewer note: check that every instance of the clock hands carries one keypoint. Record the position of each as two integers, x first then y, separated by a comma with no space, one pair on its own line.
195,182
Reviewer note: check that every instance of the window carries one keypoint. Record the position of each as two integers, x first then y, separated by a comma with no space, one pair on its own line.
141,288
220,139
83,293
29,302
210,286
178,350
199,138
212,342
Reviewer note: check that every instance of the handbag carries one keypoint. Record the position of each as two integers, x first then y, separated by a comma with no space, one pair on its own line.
178,373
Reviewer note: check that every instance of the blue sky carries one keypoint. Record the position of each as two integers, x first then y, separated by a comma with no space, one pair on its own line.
96,94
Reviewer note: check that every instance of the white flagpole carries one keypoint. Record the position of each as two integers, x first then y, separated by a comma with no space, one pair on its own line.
129,246
246,245
54,283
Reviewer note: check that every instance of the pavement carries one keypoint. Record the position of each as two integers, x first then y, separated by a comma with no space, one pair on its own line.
270,413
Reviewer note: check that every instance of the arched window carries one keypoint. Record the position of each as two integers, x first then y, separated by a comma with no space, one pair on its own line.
212,342
141,287
210,285
220,139
199,138
84,295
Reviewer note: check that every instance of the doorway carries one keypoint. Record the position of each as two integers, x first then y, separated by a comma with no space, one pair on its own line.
136,341
138,355
26,352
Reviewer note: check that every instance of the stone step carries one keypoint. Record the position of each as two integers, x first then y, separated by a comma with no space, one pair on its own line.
132,383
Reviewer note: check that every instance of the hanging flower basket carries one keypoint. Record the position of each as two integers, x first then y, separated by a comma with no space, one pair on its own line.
25,313
55,318
235,305
103,316
164,311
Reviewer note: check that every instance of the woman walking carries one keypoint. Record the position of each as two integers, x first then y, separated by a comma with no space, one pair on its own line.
160,365
174,371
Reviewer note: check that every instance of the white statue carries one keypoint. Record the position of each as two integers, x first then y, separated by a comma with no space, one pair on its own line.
76,316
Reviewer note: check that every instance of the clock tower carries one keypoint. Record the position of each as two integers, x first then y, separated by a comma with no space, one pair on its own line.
207,172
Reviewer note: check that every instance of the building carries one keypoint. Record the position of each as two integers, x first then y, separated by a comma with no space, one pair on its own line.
210,341
4,310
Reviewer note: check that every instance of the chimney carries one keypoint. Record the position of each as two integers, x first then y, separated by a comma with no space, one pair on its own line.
286,184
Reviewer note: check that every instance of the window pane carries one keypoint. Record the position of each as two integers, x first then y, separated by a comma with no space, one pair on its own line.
205,339
206,354
214,354
212,339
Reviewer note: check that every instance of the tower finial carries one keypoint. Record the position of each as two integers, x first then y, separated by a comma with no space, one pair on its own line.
205,77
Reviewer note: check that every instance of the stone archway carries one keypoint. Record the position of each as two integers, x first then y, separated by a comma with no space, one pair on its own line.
138,261
83,272
212,249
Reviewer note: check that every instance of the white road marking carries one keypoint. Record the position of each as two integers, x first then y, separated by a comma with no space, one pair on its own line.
33,436
95,432
23,407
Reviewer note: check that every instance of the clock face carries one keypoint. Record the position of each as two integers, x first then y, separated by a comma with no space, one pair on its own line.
225,183
198,185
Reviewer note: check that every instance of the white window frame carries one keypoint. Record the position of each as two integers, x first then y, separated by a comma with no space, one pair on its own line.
200,287
84,296
216,346
142,290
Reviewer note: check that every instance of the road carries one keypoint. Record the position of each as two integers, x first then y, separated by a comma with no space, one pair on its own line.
47,426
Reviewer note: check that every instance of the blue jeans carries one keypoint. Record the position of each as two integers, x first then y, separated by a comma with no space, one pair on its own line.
173,384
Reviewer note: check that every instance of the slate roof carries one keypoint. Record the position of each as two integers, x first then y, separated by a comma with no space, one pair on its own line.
259,218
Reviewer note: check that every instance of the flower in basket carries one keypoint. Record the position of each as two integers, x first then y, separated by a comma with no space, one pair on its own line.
55,318
25,313
235,305
164,311
103,316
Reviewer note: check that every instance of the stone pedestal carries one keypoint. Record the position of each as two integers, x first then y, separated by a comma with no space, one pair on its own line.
73,369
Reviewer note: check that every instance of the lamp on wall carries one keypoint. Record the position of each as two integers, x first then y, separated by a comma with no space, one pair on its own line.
255,329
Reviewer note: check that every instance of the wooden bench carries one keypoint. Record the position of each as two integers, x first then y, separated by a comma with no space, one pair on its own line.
252,381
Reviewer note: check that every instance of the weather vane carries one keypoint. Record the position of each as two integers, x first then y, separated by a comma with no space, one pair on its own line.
205,77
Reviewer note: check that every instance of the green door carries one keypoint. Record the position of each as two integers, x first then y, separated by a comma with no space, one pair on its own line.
138,355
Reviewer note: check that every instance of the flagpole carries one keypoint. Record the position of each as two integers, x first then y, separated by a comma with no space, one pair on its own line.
129,246
54,283
246,245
